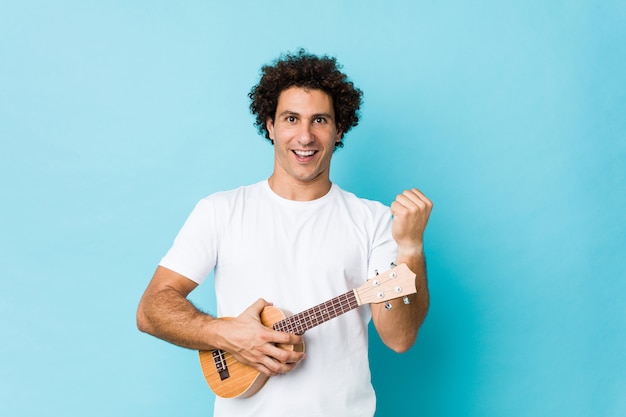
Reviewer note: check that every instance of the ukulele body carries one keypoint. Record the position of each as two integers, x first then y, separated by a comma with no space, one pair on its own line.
229,378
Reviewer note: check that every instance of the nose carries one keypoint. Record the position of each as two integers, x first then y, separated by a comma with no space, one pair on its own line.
305,135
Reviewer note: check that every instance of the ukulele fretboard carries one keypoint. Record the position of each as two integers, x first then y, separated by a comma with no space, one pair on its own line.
307,319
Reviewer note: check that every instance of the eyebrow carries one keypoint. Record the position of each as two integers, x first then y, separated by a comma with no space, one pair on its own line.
316,115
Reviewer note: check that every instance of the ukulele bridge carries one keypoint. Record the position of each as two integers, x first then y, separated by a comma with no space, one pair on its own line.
220,364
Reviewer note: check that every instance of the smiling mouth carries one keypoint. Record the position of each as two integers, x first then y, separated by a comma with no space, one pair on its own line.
303,154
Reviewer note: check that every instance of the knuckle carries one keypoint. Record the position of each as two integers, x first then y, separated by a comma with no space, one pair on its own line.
282,356
265,335
271,367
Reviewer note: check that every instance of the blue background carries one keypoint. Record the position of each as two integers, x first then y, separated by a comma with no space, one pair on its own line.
117,116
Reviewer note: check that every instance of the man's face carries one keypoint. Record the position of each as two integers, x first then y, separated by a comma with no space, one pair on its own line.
304,132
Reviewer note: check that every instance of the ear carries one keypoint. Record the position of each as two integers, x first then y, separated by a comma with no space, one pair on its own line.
269,125
339,134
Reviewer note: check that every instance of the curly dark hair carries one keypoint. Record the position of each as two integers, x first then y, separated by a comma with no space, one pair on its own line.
302,69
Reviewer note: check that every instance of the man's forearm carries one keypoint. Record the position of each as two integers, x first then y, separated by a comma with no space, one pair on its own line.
398,327
168,315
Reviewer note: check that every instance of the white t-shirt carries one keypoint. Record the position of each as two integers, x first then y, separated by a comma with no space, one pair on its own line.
295,254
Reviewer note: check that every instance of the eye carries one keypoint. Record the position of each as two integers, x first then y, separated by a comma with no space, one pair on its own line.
320,120
291,119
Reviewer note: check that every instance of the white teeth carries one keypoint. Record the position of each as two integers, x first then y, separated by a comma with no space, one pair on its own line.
304,153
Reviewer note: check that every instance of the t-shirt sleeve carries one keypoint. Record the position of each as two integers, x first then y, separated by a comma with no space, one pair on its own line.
194,251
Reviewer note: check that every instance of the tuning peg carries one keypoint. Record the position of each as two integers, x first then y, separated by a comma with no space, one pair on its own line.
388,305
376,271
393,264
406,300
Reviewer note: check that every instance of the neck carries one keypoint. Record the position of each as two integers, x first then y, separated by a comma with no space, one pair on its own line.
300,191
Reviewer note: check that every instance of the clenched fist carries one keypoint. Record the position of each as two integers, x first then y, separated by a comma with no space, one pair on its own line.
411,211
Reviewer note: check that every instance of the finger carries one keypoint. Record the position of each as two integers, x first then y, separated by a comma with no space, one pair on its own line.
410,204
273,347
260,304
272,338
272,367
283,361
263,360
283,338
415,193
417,196
413,196
275,362
264,369
404,206
255,309
285,355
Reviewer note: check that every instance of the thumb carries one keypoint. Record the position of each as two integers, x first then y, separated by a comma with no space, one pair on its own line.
258,306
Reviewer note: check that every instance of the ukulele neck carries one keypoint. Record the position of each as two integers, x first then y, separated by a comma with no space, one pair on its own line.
307,319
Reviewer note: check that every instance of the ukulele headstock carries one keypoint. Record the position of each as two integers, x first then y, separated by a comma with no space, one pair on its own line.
397,282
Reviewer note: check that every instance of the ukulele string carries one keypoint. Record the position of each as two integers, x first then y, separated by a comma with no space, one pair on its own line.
227,355
299,323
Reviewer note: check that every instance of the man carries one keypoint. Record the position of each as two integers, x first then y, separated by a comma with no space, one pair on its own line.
297,240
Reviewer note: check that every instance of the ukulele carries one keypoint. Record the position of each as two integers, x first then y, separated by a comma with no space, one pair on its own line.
229,378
